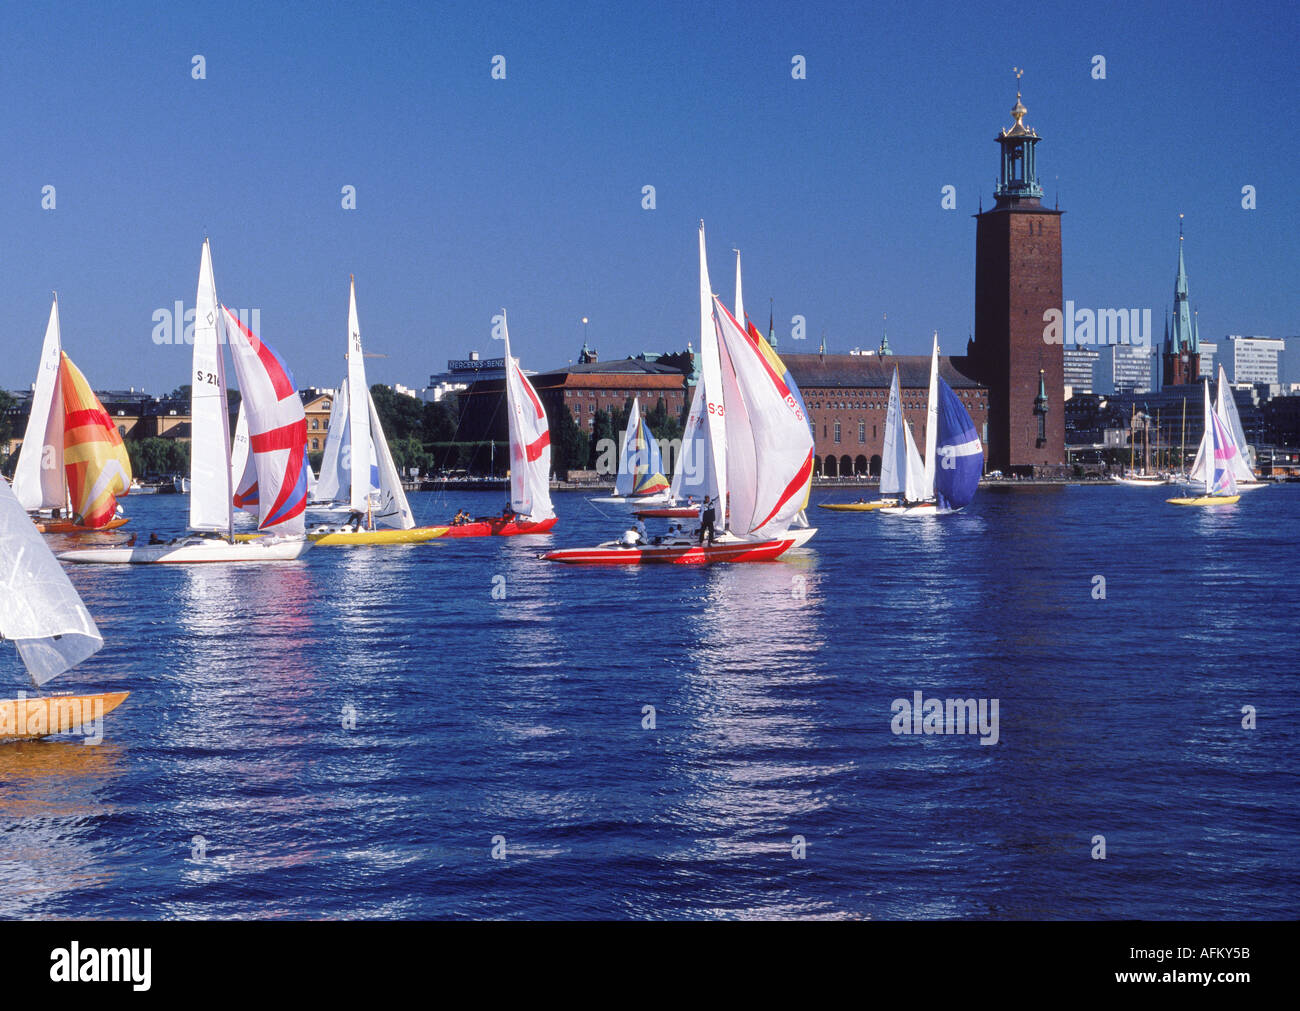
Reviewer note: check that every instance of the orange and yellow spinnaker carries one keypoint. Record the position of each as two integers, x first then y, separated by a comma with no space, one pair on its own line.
94,459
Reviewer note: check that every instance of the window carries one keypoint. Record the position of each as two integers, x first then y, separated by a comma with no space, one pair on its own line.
315,443
862,431
315,424
837,431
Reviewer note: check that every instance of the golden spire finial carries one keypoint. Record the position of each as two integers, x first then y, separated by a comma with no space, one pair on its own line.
1019,110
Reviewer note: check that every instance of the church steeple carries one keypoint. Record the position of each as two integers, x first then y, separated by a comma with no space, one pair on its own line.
1018,180
1183,341
884,338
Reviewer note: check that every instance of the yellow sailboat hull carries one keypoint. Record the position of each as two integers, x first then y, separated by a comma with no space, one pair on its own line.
415,535
26,719
858,507
1205,500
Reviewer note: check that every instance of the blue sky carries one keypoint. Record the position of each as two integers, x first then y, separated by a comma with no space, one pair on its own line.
474,193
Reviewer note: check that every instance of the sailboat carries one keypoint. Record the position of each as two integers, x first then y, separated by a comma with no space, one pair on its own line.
277,430
72,459
1214,469
364,478
42,614
757,453
1144,478
640,477
899,459
1225,408
529,510
948,477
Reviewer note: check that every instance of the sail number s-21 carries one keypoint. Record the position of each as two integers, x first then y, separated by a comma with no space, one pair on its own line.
207,378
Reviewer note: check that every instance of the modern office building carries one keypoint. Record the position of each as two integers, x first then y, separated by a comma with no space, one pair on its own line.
1253,359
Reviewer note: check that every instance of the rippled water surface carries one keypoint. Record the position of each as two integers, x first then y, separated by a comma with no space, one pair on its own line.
519,715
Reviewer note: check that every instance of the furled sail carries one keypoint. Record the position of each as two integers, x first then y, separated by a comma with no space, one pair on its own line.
277,429
38,477
95,462
39,608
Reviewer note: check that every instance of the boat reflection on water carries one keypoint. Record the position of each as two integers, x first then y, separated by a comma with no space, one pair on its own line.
52,800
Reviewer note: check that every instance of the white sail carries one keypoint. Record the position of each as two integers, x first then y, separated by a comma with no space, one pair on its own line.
332,477
932,422
893,456
740,299
211,491
915,488
690,475
39,481
1231,418
715,477
392,510
39,608
626,478
242,471
769,443
359,438
530,442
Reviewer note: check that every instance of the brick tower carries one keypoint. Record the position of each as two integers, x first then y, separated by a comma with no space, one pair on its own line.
1017,280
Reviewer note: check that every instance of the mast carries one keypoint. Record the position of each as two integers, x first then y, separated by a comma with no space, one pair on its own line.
1132,445
740,301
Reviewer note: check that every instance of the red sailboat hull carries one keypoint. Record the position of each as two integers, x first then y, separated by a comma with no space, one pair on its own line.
694,554
496,526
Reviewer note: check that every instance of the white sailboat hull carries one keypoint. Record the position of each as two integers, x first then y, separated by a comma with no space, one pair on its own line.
658,498
919,511
194,551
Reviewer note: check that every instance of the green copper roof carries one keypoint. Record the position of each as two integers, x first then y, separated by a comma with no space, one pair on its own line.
1183,336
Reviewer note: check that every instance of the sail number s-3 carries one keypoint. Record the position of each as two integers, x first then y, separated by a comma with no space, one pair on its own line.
715,408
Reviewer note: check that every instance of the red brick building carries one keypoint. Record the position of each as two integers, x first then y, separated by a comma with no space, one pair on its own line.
847,397
581,389
1017,280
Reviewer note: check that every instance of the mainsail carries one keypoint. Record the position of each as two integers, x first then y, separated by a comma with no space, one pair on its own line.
1214,460
39,608
38,477
932,422
277,429
211,491
95,462
331,478
640,470
530,442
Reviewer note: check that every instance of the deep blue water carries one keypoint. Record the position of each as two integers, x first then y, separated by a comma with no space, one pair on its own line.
521,717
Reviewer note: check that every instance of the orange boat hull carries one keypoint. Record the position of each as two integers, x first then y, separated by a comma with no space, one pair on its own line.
26,719
68,527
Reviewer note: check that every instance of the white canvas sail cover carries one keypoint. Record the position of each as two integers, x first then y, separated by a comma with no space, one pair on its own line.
39,481
1231,418
627,456
392,509
530,442
39,608
211,492
769,444
332,477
